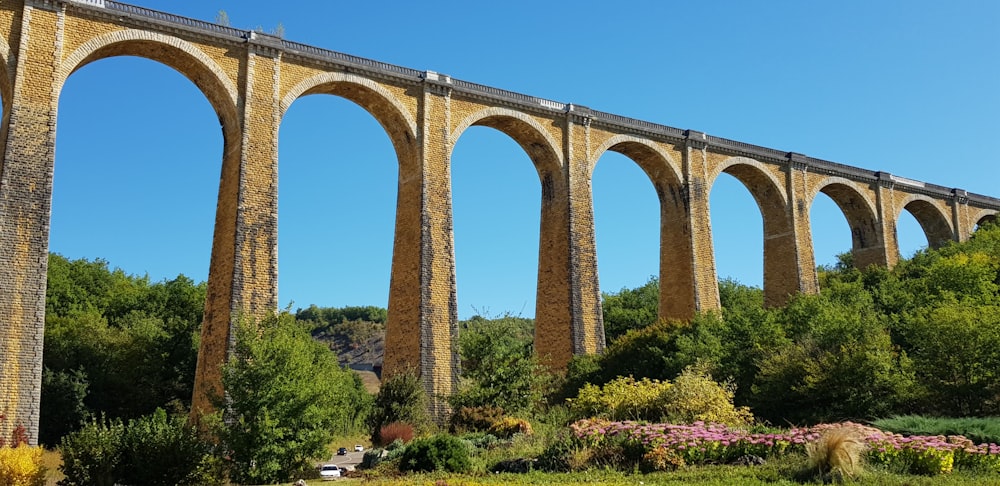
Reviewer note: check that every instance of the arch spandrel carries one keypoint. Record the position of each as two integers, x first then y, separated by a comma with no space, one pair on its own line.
183,56
532,136
934,219
398,122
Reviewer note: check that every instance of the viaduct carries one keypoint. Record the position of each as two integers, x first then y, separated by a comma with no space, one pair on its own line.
250,79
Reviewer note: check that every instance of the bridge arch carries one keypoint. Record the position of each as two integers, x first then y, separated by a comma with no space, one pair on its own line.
781,273
867,244
985,216
180,55
676,272
935,223
374,98
541,148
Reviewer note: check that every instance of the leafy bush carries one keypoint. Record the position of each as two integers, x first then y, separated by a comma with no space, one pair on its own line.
21,466
439,452
694,397
508,426
157,450
92,456
394,431
499,368
474,419
401,398
660,459
151,450
623,398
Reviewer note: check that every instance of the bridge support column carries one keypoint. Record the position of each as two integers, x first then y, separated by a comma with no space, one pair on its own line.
705,279
798,211
243,274
959,215
25,207
567,280
422,332
887,216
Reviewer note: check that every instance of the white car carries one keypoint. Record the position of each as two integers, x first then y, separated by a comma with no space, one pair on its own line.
359,448
329,472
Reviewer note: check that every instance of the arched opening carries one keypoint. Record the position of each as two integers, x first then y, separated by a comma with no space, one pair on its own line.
986,219
861,232
626,222
403,325
831,234
495,205
649,230
933,226
135,184
780,271
626,228
337,186
737,232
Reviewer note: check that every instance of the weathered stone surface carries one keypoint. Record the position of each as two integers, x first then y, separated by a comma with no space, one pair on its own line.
251,79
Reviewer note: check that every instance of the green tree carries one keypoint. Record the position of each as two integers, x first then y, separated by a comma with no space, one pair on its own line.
955,348
133,341
630,309
286,399
840,364
499,368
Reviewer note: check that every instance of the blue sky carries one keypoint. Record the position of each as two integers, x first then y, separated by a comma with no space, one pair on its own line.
908,87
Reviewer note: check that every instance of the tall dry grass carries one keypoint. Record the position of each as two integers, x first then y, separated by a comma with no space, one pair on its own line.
839,453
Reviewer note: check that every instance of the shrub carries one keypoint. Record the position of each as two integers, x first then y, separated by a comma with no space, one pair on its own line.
92,455
660,459
508,426
623,398
401,398
157,450
438,452
21,466
694,397
400,431
151,450
560,454
474,419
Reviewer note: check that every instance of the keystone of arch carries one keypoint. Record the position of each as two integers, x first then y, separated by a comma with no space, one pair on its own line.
620,139
331,78
829,181
761,168
74,60
496,112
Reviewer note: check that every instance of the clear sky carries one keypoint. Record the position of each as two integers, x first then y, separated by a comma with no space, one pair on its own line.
908,87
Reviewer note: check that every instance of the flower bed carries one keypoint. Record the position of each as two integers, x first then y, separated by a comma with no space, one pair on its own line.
702,443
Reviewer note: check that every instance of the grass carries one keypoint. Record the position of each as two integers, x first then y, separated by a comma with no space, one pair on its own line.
978,430
775,473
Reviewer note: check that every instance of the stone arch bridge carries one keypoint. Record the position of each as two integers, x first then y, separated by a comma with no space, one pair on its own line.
250,79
